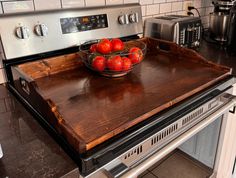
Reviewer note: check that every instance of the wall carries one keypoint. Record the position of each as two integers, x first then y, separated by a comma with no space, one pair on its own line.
149,7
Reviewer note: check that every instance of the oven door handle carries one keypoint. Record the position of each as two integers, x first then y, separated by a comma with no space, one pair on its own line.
150,161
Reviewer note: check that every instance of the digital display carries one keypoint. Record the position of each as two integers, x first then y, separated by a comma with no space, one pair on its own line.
85,23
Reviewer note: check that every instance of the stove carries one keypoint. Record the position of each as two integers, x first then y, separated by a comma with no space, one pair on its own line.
119,132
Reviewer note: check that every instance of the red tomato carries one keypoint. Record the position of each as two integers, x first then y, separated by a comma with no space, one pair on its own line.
136,55
127,64
104,46
115,63
93,48
117,44
99,63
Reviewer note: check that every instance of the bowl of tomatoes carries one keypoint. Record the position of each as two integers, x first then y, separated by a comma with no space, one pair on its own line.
112,57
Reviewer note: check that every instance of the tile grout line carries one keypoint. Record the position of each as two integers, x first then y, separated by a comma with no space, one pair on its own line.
153,174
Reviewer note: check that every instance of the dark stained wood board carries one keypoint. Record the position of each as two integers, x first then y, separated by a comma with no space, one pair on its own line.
96,108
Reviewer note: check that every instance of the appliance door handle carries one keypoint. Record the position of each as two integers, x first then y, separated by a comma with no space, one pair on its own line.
1,153
143,166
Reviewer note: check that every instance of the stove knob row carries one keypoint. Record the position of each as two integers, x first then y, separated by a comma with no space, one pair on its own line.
128,18
23,32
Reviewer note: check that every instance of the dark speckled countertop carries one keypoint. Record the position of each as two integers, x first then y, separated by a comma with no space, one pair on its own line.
217,54
28,149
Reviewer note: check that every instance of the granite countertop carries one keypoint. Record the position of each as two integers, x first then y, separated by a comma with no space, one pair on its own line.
28,149
217,54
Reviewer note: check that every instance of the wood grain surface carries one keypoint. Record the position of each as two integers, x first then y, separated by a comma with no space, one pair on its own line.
96,108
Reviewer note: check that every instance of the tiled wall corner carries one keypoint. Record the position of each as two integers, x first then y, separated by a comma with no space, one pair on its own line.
150,8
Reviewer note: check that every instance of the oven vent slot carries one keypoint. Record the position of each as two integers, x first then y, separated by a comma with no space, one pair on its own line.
135,151
192,116
163,134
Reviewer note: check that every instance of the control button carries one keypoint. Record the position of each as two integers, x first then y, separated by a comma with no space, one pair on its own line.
41,30
22,32
126,19
123,19
136,17
132,18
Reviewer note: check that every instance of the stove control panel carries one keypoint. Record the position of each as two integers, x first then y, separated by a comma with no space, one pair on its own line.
83,23
46,31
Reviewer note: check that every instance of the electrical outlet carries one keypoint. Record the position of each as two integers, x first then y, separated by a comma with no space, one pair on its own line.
187,4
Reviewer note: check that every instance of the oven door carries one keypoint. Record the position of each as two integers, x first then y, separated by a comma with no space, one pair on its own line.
120,167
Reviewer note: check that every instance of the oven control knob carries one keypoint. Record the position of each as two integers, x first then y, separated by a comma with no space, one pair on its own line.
132,18
41,30
22,32
123,19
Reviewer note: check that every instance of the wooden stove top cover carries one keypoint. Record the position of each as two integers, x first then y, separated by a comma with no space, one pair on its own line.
96,108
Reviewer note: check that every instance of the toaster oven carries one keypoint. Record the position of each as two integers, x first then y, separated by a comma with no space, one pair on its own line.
183,30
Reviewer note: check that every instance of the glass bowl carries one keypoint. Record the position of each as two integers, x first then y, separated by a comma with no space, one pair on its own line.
87,56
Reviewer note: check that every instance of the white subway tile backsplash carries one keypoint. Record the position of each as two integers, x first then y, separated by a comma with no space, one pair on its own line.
95,2
181,13
153,9
166,7
130,1
159,1
209,10
177,6
143,8
143,2
72,3
47,4
112,2
17,6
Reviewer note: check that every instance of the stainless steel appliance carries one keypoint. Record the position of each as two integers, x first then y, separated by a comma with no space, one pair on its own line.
219,20
219,26
183,30
232,30
222,5
34,36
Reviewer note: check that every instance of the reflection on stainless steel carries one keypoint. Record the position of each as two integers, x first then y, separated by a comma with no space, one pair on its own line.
219,26
28,42
183,30
133,173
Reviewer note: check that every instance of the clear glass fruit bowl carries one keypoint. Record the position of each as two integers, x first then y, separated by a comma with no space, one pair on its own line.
115,63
